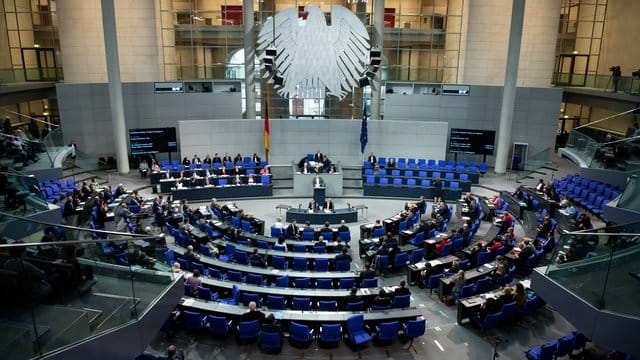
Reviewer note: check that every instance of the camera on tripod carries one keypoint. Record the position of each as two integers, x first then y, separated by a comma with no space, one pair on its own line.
615,70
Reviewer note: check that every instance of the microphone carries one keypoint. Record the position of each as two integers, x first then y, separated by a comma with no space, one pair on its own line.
300,206
349,206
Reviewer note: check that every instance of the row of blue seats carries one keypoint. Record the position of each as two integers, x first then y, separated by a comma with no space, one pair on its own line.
508,314
412,163
371,180
301,335
564,346
57,189
592,195
420,174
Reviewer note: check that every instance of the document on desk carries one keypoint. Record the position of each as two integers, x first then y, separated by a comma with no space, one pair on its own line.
526,283
421,264
188,302
365,291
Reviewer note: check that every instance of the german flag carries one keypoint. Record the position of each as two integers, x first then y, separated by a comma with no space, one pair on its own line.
266,134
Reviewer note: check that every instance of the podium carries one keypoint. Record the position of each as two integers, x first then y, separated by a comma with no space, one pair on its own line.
318,194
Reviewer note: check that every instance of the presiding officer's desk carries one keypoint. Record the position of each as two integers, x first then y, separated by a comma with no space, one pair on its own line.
269,272
318,317
320,217
470,276
222,192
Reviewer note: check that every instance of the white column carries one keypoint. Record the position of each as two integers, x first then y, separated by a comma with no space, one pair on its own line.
377,41
509,91
249,59
115,85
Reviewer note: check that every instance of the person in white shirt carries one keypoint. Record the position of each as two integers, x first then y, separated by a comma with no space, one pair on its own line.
279,225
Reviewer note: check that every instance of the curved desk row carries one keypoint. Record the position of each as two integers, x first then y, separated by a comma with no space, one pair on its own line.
302,215
235,311
410,192
222,192
312,293
269,272
270,252
156,177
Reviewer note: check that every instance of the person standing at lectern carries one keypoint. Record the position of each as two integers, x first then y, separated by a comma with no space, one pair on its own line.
317,181
372,159
328,205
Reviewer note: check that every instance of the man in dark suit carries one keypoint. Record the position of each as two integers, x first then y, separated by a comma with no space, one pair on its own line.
367,273
252,314
216,159
328,204
343,226
402,290
313,205
256,159
227,158
372,159
351,298
343,256
270,325
318,157
292,229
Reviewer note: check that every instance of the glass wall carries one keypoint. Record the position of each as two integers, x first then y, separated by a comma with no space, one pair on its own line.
64,284
201,37
33,43
579,42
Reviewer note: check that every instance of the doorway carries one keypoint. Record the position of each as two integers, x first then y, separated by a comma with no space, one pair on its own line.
39,64
571,70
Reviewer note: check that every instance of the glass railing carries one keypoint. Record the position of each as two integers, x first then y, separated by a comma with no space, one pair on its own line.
537,161
582,146
602,82
54,143
21,193
622,155
604,276
65,284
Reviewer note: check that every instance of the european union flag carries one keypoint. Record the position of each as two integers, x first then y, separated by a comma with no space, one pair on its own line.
363,130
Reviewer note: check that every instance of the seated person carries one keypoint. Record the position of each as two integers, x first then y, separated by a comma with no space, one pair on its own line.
499,271
391,163
313,206
320,242
328,205
265,170
344,256
292,229
518,194
351,298
257,259
382,300
494,244
372,159
252,314
441,209
333,169
237,160
545,227
440,245
32,279
343,226
256,159
402,289
271,325
137,257
143,168
367,273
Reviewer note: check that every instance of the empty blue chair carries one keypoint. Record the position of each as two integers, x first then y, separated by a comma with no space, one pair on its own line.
417,255
282,281
330,335
509,311
454,185
402,301
357,332
308,235
302,283
483,168
355,306
491,321
206,294
218,325
275,302
321,265
433,282
298,303
449,176
343,265
193,320
378,232
324,284
249,297
413,329
369,180
369,283
276,231
216,274
466,291
241,257
279,262
411,182
198,266
345,236
544,352
255,279
484,257
300,335
386,332
425,183
483,285
327,305
236,276
248,331
300,247
300,264
400,260
346,283
384,181
321,249
382,172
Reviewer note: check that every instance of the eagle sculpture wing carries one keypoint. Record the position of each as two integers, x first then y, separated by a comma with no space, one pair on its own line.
350,43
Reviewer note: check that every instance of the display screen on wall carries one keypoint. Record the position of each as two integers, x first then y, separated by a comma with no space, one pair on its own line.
152,141
469,141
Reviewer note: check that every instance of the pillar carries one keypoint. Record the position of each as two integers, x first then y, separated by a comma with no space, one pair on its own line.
509,90
249,59
115,85
377,41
